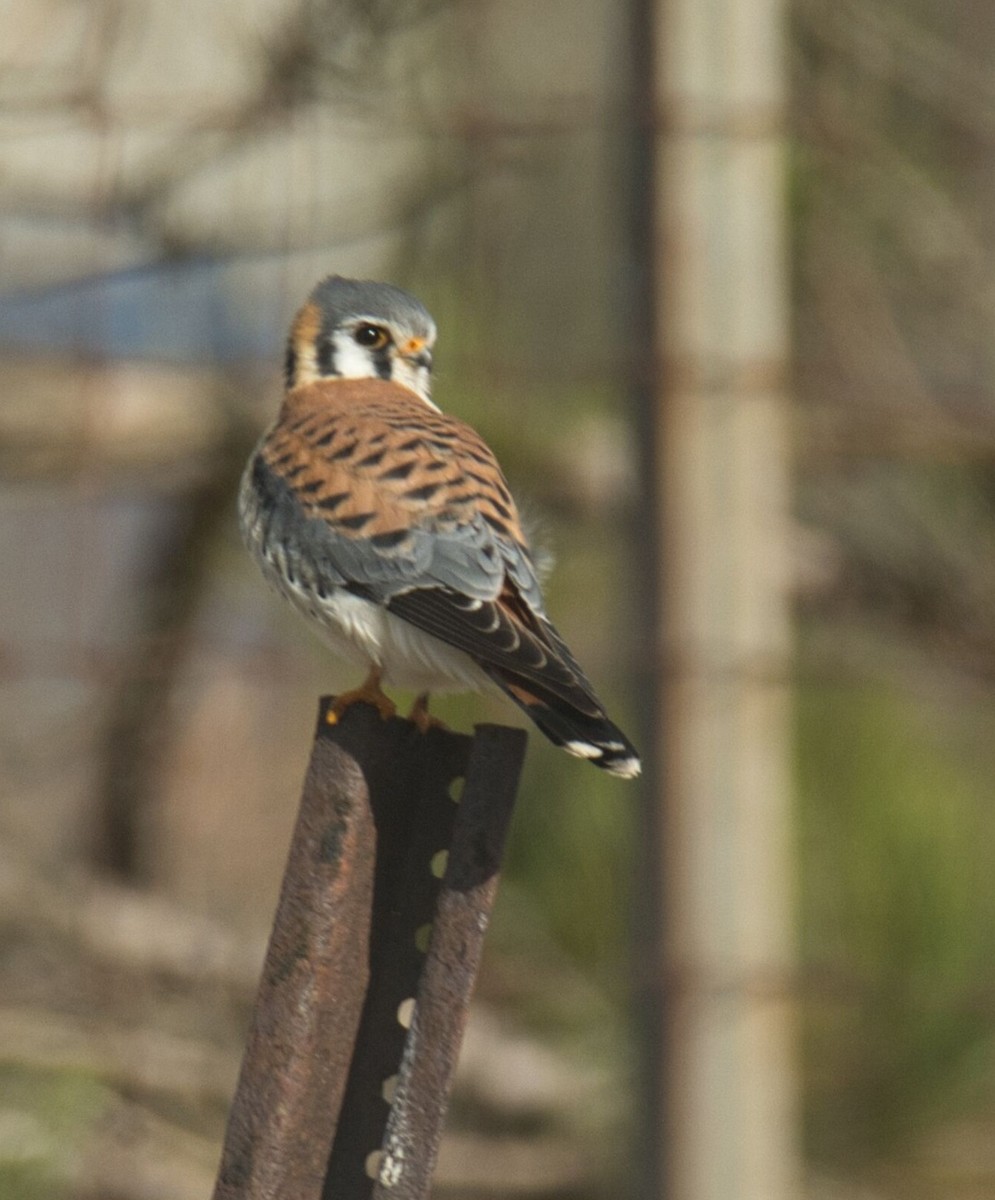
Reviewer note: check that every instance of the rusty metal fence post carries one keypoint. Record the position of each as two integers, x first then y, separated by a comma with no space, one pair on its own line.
374,952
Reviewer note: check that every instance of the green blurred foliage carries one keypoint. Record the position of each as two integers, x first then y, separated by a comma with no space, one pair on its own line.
897,916
45,1119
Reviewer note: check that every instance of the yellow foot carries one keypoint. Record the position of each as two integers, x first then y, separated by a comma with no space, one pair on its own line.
421,718
367,693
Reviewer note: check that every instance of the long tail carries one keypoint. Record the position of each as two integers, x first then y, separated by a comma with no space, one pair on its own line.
585,736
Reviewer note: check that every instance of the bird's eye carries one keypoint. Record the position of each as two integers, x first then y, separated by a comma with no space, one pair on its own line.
371,336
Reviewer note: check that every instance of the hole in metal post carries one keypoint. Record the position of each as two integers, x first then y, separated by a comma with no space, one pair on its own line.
456,789
372,1164
406,1012
438,863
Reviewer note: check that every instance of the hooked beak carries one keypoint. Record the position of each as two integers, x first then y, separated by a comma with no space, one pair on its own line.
414,349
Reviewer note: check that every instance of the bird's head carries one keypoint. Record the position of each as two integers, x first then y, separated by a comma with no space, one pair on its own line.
358,329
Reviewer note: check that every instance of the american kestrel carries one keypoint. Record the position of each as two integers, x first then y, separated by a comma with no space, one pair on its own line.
390,526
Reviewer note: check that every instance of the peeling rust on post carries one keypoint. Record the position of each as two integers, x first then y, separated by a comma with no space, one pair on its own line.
371,962
463,911
300,1045
414,814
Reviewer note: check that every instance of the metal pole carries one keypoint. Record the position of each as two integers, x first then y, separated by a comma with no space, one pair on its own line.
375,947
719,482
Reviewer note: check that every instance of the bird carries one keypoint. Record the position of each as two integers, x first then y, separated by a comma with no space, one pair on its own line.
389,525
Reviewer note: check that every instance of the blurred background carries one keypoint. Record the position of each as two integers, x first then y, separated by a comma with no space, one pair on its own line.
810,856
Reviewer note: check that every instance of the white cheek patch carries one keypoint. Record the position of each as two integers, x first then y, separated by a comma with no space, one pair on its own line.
414,377
352,361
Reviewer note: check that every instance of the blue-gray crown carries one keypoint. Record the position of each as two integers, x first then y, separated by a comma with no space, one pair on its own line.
339,299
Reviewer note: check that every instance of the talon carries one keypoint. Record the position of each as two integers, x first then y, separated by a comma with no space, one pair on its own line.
421,718
369,692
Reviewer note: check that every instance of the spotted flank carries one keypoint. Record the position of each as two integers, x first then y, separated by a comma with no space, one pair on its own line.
390,526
